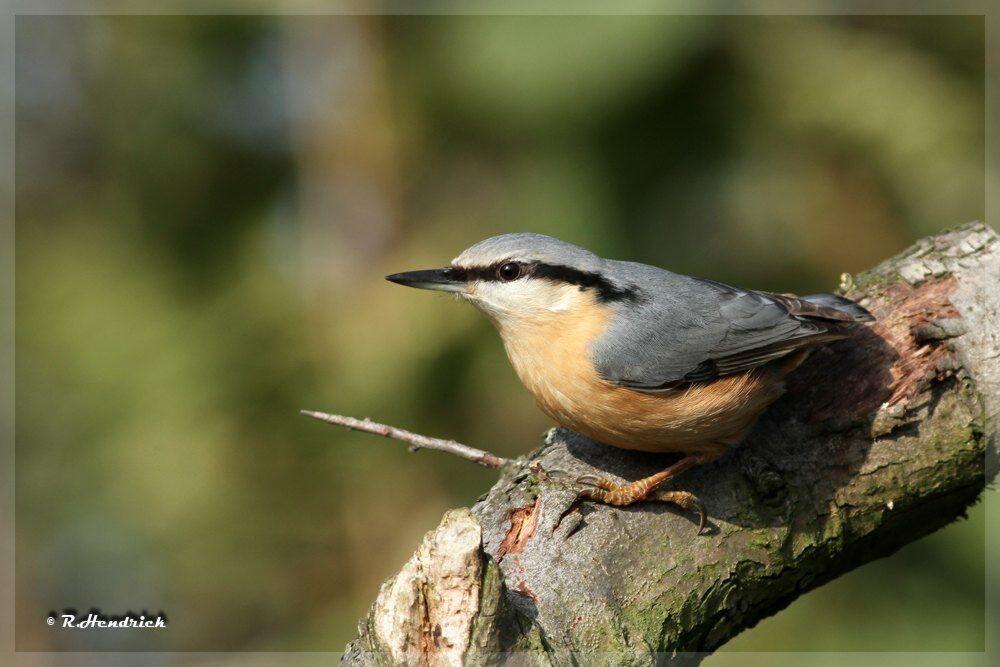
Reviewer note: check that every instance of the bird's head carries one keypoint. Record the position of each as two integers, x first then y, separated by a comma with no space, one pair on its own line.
517,278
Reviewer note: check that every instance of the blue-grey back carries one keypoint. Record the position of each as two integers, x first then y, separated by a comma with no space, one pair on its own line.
681,329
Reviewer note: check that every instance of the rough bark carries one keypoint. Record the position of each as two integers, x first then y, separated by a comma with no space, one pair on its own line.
880,440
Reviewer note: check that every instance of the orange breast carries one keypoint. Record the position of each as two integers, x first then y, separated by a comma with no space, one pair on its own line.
553,358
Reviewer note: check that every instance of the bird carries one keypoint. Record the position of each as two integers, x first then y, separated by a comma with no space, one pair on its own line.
636,356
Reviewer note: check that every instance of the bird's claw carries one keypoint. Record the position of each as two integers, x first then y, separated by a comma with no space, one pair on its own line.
685,500
592,481
555,475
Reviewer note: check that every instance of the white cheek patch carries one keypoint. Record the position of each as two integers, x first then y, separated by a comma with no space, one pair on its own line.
488,298
524,298
568,296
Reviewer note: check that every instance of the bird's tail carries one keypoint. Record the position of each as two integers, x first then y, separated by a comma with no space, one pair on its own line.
841,305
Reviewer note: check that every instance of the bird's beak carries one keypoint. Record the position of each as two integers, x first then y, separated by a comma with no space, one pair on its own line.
442,280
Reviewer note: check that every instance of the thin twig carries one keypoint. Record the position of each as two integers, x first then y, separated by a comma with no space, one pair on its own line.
415,440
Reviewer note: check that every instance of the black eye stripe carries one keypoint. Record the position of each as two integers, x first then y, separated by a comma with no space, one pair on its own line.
606,290
486,273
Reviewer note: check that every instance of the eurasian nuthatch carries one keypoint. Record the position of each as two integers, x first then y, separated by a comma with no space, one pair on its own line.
636,356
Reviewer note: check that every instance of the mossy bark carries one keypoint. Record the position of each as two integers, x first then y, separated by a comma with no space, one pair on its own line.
881,439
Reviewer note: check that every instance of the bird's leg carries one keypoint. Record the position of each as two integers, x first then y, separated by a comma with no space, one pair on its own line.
605,491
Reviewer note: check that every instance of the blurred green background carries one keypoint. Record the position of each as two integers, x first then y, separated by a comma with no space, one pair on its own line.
206,207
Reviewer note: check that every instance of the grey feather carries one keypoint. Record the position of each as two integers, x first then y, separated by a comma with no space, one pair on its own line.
526,246
687,330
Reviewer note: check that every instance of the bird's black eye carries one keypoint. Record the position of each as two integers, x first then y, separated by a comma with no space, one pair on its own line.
509,271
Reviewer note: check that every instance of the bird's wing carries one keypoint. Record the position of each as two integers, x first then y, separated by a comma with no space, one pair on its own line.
716,330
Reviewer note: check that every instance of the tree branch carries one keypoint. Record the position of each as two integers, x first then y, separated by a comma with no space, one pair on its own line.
417,441
880,440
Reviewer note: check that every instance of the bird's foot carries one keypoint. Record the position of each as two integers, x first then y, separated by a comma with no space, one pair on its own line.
605,491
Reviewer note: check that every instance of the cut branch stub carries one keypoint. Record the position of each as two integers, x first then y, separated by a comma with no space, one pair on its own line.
423,615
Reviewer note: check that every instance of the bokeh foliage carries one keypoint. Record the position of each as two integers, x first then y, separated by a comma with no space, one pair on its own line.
206,207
